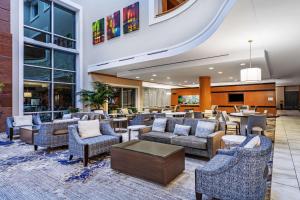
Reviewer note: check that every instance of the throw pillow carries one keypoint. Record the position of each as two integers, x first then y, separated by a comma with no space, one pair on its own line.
204,129
85,117
67,116
253,143
88,129
99,112
159,125
182,130
25,120
124,111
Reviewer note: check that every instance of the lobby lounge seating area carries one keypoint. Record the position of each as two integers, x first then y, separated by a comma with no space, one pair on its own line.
149,100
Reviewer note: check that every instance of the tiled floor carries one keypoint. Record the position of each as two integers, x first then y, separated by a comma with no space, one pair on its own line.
286,162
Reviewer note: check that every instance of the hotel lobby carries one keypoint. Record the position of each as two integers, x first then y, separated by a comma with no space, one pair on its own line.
160,99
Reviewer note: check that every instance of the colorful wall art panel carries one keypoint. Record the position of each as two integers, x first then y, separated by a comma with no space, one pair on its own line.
113,25
131,18
98,31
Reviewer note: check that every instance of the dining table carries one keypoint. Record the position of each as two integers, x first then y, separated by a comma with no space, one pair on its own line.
243,119
175,114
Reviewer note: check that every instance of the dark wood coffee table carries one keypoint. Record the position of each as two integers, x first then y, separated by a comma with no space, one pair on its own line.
160,163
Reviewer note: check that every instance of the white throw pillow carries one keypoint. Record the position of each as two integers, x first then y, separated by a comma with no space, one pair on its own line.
85,117
67,116
89,128
159,125
253,143
25,120
182,130
205,128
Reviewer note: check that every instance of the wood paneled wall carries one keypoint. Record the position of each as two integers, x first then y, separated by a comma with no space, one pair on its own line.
254,95
5,62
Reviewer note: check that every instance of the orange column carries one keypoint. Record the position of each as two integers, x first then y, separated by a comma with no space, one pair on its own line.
205,93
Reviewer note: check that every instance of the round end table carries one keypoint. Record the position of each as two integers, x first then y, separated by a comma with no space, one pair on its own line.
233,140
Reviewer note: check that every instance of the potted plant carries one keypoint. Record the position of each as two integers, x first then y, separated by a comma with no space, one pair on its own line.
95,99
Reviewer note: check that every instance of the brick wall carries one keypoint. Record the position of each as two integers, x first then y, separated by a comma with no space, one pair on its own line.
5,62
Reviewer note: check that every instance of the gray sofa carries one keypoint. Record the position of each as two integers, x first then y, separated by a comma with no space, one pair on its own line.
206,147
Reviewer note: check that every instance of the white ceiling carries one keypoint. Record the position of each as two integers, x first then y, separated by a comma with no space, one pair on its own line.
272,24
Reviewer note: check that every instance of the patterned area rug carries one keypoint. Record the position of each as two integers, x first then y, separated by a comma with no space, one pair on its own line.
26,174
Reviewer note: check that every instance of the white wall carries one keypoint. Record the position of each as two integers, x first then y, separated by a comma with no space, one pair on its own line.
149,38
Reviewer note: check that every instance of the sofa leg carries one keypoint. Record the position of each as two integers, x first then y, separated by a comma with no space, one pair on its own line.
35,147
86,155
198,196
70,157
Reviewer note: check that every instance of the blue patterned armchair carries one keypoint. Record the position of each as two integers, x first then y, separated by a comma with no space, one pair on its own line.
89,147
235,174
53,134
12,130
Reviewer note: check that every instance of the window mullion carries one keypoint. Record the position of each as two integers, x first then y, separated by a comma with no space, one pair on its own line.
52,61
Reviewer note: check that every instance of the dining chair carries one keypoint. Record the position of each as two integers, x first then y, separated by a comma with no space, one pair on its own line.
256,123
236,109
229,123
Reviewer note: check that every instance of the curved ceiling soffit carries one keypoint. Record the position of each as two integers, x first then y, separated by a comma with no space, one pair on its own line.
180,48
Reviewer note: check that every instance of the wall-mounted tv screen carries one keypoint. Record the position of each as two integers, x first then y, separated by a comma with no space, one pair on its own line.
188,99
235,97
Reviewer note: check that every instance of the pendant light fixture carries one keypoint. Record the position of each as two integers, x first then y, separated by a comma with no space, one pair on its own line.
251,74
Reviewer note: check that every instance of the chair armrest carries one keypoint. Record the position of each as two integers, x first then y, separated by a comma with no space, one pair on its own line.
214,142
73,134
229,152
106,129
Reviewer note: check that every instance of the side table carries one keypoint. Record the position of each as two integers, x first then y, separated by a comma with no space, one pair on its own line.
119,122
233,140
134,128
27,133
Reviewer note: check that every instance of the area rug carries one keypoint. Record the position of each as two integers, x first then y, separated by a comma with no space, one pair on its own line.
26,174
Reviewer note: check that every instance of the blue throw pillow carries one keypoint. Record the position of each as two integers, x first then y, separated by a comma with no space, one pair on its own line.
182,130
205,128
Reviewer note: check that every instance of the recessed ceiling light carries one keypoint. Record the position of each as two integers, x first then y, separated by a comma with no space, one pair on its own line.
220,72
154,75
137,77
185,81
211,68
243,64
230,77
151,79
168,77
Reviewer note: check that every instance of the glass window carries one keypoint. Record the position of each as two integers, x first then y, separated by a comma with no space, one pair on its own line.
64,22
46,117
37,97
116,101
35,73
35,14
64,60
129,97
64,77
37,35
64,96
39,56
63,42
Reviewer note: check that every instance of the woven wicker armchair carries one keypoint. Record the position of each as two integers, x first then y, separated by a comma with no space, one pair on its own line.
235,174
89,147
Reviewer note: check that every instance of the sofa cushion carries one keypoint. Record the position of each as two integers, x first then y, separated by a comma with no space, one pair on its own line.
158,137
191,122
89,128
159,125
205,128
171,122
182,130
25,120
190,141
